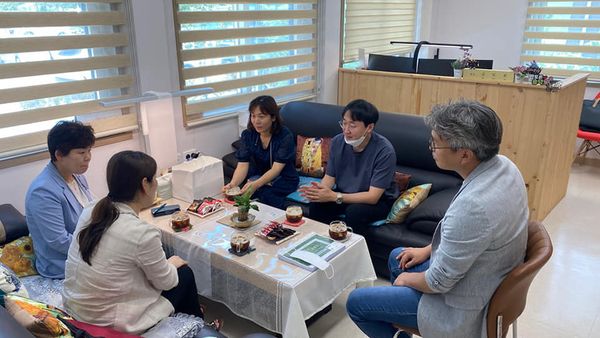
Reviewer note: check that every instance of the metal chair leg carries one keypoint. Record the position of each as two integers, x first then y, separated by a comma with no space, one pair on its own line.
499,326
514,325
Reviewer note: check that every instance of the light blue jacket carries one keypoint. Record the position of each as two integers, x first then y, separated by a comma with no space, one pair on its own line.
481,238
52,211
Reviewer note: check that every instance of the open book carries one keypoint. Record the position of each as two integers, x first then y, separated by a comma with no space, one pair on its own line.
323,247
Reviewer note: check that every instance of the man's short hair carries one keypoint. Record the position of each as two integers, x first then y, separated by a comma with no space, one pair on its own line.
468,125
68,135
362,110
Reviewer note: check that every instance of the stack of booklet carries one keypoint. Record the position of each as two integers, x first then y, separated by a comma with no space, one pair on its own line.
324,247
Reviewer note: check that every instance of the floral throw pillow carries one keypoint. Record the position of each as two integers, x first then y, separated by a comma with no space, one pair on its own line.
38,318
19,257
407,202
311,155
10,283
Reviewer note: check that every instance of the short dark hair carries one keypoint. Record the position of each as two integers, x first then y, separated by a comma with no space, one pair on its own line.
468,125
68,135
362,110
267,105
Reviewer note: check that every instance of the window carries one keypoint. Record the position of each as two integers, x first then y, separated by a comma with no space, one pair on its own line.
563,37
57,61
243,49
373,24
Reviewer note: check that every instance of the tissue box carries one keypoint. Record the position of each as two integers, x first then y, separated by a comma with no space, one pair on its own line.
488,75
198,178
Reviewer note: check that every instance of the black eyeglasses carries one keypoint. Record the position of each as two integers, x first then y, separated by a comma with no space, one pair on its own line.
433,147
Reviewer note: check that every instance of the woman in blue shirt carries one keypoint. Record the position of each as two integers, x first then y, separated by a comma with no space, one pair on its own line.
267,155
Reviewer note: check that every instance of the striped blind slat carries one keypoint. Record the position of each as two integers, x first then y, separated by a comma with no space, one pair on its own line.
371,25
58,59
563,37
243,49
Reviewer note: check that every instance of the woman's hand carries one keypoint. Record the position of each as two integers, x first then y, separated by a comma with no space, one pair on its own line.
248,185
410,257
176,261
226,187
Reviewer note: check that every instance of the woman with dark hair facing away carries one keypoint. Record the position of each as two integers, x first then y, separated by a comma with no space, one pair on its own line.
117,274
57,196
267,155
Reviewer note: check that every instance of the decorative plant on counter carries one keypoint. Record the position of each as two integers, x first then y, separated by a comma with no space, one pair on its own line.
533,68
520,73
466,61
244,204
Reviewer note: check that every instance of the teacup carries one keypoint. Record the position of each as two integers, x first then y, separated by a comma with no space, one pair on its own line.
231,193
338,230
239,242
293,213
180,221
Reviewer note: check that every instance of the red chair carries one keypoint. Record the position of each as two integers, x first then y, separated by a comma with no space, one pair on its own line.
588,137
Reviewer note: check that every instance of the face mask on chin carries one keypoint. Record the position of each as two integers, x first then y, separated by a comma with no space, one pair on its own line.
357,142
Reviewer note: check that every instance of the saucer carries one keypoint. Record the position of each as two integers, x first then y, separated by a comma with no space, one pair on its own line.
297,224
245,224
241,253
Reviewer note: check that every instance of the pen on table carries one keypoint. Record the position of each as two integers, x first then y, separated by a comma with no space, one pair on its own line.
160,208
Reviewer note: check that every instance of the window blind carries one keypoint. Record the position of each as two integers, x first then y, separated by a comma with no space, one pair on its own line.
58,59
373,24
563,37
243,49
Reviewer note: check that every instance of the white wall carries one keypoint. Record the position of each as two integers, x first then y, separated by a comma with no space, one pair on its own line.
494,28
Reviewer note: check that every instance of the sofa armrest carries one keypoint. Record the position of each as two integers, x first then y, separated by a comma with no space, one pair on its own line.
12,224
430,211
10,327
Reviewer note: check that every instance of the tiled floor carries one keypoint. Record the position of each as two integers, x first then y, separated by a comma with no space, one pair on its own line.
564,300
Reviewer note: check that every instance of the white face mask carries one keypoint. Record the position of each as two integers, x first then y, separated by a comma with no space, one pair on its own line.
357,142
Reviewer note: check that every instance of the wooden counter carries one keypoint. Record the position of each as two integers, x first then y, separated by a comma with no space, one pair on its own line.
540,127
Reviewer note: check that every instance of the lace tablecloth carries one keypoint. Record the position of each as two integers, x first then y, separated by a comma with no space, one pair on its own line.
274,294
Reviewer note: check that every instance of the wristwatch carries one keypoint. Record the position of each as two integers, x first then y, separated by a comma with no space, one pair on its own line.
339,198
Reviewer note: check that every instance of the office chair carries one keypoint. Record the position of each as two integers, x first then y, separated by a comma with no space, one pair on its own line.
508,301
390,63
589,128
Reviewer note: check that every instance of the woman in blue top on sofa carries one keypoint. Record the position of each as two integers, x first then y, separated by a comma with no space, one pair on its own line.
267,155
57,196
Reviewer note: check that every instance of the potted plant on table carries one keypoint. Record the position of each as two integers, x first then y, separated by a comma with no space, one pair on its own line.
244,204
458,65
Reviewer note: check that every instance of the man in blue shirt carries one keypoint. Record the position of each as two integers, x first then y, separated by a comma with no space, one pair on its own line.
361,165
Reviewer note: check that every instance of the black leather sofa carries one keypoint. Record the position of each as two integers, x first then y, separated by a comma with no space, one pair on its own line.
409,136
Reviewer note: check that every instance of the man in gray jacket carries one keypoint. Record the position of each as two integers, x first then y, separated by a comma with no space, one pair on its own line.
443,289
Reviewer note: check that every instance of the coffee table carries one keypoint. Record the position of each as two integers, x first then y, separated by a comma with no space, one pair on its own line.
259,286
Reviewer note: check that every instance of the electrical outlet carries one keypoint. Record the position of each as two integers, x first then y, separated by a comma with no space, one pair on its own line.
187,155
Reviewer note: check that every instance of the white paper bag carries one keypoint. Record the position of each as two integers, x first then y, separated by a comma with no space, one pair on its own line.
198,178
164,190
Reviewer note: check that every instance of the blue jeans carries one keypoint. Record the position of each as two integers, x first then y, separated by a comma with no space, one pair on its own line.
375,309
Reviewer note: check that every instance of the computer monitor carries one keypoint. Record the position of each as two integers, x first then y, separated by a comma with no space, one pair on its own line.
485,64
390,63
440,67
443,67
